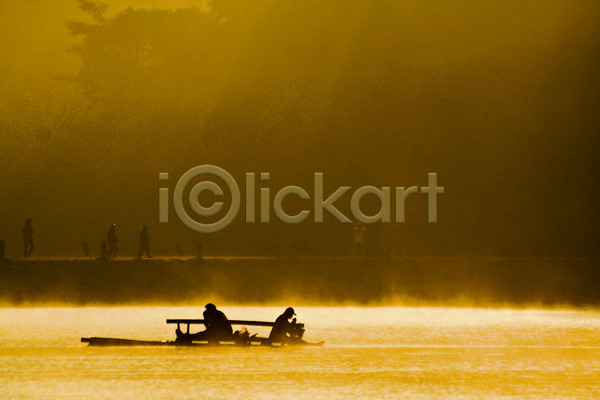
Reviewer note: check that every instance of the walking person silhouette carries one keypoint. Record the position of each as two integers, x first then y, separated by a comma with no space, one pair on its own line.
27,238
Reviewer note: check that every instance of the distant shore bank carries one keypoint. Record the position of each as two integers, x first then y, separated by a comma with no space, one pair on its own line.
309,280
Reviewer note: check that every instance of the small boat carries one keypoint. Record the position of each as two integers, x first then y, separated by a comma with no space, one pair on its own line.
239,338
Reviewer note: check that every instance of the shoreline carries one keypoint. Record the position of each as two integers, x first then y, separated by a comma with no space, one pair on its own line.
451,281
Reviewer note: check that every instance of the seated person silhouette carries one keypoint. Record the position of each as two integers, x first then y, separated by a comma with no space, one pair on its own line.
217,329
286,332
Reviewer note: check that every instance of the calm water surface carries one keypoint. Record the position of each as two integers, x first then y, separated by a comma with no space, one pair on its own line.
388,352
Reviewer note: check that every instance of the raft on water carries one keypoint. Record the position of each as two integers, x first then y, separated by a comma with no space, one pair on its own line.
239,338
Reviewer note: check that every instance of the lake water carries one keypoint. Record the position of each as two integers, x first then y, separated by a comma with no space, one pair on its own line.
387,352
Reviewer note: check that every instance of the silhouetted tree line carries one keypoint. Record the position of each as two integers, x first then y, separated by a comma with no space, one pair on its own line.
498,98
257,77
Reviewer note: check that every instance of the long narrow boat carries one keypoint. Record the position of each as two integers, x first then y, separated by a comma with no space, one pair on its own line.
239,338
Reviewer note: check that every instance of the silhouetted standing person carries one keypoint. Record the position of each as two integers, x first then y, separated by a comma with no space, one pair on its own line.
112,241
27,238
144,243
103,251
359,238
86,249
